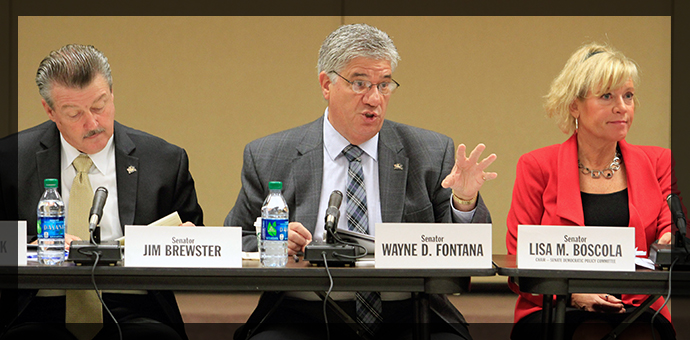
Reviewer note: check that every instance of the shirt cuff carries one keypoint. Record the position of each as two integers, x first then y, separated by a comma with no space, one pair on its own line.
460,216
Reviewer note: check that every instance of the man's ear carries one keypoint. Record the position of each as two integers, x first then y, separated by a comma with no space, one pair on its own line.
325,82
49,110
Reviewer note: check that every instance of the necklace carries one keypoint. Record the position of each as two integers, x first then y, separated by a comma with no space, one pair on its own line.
608,172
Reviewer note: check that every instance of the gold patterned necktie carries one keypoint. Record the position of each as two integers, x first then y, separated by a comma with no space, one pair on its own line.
80,197
83,314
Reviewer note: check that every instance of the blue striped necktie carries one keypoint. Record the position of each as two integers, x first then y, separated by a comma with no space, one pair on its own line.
367,304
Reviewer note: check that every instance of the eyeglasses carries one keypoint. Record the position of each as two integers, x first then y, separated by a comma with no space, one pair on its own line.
362,86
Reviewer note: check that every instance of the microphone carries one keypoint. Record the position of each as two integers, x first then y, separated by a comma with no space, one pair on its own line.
333,214
338,253
97,208
677,214
678,252
84,252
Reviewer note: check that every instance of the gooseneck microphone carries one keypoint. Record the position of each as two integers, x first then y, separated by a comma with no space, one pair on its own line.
94,251
677,215
678,252
96,213
333,214
334,251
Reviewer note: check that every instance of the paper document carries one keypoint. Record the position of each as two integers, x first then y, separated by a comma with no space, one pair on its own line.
254,255
172,220
642,260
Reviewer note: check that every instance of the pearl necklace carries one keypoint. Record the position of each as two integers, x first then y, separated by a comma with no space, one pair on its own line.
608,172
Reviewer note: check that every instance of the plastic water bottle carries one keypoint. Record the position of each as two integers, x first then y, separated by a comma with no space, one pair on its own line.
257,229
51,225
274,228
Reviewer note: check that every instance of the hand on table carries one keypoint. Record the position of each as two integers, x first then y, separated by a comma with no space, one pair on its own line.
298,237
602,303
665,238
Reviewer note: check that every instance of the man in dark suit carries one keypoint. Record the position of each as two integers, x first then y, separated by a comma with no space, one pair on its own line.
409,176
147,179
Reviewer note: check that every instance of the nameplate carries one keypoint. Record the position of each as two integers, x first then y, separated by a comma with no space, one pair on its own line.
433,245
183,247
12,243
576,248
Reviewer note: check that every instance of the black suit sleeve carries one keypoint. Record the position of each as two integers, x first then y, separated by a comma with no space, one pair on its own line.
185,199
8,178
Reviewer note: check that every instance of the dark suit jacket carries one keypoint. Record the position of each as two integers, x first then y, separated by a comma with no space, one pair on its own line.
547,192
295,157
160,185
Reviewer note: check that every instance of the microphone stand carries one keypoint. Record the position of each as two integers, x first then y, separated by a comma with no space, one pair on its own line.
678,252
334,250
94,251
84,252
663,255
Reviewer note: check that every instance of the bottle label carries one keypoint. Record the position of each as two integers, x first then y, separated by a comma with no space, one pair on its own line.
51,227
274,229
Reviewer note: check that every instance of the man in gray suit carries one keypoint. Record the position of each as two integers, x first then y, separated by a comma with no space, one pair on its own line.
409,176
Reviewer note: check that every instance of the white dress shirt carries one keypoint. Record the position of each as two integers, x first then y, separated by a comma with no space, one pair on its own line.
101,174
335,166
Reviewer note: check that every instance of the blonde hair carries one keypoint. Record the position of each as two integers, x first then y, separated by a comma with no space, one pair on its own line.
593,68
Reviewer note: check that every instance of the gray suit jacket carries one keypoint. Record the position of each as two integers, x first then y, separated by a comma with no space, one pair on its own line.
160,185
295,157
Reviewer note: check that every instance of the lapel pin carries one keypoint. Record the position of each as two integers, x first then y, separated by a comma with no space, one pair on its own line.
131,169
397,166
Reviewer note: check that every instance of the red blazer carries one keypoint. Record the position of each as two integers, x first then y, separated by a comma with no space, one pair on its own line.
547,192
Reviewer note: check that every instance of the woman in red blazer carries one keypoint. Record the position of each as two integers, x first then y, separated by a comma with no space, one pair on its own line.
594,178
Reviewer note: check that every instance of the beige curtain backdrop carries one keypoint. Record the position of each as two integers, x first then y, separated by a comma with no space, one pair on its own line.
213,84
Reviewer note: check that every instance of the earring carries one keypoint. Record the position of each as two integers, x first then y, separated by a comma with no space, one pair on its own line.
576,125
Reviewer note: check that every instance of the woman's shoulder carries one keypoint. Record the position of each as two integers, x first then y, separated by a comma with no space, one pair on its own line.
651,152
551,152
542,154
652,149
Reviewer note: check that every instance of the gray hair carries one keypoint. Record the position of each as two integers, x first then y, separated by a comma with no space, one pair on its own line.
73,66
352,41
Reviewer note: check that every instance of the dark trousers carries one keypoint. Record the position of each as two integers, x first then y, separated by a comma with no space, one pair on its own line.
138,315
301,320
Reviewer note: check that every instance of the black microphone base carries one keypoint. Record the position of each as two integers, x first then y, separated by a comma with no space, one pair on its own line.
663,255
313,253
80,252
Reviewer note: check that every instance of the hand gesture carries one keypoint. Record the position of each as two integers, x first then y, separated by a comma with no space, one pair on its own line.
468,175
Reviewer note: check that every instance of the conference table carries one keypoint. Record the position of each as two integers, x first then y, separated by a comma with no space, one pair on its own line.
296,276
561,283
301,276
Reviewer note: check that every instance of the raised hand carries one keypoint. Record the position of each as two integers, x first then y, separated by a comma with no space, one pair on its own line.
468,175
